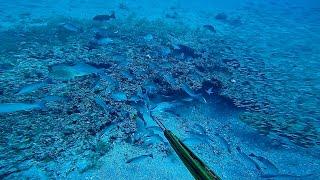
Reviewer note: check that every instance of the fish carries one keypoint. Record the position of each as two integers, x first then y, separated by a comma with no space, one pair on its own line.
153,139
14,107
193,141
50,98
139,158
192,94
148,37
203,137
288,176
32,87
141,125
71,27
67,72
165,51
95,43
170,79
134,99
209,91
188,99
224,142
102,103
107,128
164,106
144,97
119,96
189,91
151,88
104,41
209,27
221,17
100,33
249,160
186,51
144,113
139,137
104,17
266,162
127,75
200,129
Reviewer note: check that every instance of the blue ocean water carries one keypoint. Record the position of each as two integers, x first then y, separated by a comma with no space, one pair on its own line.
82,82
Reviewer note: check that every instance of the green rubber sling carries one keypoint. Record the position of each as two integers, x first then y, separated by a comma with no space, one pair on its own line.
197,168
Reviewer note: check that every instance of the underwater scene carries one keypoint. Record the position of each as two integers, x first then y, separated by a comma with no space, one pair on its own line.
170,89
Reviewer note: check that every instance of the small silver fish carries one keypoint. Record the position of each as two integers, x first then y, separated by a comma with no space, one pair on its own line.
209,91
139,158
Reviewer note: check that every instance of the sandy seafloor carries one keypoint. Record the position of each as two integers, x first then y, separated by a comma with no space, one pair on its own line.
262,62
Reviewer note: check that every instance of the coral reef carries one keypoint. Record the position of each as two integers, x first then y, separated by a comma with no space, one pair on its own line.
97,87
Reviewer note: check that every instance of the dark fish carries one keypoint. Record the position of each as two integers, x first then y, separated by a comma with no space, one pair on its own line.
139,158
186,51
266,162
209,27
221,16
104,17
248,159
224,142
